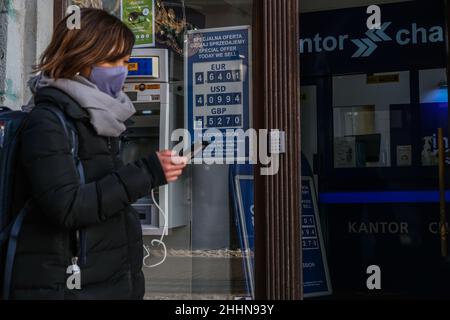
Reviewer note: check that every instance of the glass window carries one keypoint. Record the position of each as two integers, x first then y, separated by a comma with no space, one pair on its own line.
203,53
375,98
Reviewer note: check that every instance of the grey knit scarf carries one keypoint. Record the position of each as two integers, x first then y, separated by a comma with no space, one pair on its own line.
107,114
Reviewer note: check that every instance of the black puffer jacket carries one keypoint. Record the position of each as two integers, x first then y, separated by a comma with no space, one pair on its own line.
100,208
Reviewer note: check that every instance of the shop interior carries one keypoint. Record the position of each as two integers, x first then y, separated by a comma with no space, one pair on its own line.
370,119
371,105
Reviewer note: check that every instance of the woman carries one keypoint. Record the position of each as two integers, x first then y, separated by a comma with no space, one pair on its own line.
90,226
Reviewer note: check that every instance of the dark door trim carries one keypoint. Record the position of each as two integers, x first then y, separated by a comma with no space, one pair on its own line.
278,253
447,21
59,8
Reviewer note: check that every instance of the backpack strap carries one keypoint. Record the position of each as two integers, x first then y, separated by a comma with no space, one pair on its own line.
4,109
71,133
11,251
12,232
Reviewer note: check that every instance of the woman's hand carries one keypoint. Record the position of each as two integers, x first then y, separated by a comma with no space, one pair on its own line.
172,165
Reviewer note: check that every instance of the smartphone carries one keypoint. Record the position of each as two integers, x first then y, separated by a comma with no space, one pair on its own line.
194,150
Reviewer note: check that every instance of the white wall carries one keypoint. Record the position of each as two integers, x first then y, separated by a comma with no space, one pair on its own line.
3,40
30,26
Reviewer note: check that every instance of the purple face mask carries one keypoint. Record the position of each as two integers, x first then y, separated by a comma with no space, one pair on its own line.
110,80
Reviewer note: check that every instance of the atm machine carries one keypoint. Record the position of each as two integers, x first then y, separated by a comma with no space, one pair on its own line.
158,106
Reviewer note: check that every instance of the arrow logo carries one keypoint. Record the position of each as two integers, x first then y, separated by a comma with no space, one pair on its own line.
378,35
367,46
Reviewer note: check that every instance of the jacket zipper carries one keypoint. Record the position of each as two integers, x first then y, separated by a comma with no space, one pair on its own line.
110,148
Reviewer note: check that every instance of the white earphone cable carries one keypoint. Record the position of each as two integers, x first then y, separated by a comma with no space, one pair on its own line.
157,242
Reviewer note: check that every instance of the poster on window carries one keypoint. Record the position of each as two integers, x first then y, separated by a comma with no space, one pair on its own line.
433,116
139,16
218,81
316,277
345,152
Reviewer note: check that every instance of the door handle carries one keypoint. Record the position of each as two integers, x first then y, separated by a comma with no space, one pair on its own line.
442,215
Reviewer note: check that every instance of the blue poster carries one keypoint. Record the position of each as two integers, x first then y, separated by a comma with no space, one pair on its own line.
315,269
433,116
218,80
245,223
416,126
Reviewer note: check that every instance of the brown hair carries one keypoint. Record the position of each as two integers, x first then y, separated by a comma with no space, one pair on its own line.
102,38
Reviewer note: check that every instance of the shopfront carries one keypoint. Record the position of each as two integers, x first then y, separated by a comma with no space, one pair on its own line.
197,67
374,113
351,128
373,104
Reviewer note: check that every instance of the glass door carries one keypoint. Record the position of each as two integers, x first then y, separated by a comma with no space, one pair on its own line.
375,134
208,246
